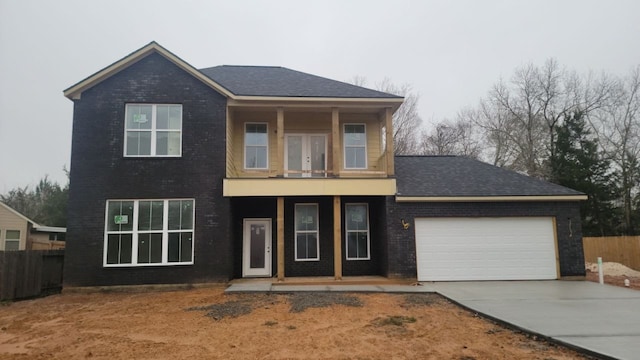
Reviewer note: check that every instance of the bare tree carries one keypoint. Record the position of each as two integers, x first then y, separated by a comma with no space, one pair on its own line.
452,138
406,120
618,127
520,117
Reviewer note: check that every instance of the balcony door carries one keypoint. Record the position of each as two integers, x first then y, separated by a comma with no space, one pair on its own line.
305,155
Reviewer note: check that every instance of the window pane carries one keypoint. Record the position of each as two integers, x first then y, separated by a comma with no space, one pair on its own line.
307,246
138,143
354,135
355,157
11,245
120,216
113,248
175,117
357,217
180,215
306,217
256,157
149,248
156,248
186,246
125,248
174,247
150,215
255,134
162,117
13,235
168,143
357,245
144,246
119,249
363,245
139,116
352,245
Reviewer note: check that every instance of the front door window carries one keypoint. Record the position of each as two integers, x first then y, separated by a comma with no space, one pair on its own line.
257,248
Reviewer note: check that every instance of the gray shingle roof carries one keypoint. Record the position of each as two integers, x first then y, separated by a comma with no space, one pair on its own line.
279,81
442,176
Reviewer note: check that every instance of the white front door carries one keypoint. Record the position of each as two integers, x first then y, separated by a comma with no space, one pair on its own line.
256,248
306,155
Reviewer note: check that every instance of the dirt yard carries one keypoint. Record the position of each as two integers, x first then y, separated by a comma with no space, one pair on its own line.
207,324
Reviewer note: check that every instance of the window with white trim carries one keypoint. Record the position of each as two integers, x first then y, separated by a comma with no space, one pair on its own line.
355,146
307,240
12,240
153,130
256,146
149,232
357,231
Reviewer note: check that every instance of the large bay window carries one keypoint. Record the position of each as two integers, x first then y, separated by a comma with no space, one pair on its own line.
355,146
357,229
149,232
153,130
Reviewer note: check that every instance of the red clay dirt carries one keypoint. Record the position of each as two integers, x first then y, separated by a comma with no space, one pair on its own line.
175,325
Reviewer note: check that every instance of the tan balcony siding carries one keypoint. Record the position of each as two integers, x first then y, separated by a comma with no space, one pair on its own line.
230,168
296,122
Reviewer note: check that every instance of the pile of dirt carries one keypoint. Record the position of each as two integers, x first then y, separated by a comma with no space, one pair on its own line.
613,269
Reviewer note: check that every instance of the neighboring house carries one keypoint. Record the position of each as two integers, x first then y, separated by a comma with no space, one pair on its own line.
180,175
18,232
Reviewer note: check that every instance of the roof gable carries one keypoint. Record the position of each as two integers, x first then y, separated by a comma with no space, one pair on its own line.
454,176
15,212
275,81
75,91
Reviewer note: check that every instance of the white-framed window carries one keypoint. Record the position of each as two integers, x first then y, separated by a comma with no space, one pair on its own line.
149,232
307,237
355,146
357,231
153,130
12,240
256,146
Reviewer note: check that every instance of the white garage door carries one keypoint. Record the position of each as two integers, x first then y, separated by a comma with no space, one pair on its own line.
518,248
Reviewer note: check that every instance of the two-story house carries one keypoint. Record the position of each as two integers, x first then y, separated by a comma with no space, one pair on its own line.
180,175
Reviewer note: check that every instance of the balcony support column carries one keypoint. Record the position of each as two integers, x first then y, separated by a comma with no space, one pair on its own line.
280,141
337,238
280,236
335,141
388,119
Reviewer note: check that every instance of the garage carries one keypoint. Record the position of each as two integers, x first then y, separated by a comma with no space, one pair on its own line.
485,248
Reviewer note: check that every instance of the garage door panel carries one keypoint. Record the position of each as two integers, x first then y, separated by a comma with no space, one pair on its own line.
485,249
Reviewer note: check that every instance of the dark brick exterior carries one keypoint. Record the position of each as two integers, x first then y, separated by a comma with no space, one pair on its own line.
401,243
266,208
100,172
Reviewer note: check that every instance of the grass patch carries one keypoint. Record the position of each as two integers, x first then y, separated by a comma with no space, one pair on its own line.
394,320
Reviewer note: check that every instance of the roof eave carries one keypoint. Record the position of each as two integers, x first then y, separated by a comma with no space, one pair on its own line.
504,198
74,92
244,100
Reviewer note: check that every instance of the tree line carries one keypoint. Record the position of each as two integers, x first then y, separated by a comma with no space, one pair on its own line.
577,130
46,203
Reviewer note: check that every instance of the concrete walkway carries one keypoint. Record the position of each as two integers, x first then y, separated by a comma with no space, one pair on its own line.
602,319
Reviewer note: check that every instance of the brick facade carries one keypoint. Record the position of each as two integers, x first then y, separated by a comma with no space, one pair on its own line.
99,172
401,243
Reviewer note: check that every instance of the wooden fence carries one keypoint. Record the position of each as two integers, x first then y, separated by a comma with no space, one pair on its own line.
621,249
25,274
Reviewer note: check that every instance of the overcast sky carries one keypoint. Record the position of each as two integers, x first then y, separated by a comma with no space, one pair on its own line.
451,52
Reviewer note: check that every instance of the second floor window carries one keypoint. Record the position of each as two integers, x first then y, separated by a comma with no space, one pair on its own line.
153,130
355,146
256,147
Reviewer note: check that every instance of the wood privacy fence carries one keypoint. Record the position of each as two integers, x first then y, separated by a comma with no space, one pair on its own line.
621,249
29,273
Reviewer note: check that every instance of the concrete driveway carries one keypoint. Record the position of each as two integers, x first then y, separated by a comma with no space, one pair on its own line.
602,319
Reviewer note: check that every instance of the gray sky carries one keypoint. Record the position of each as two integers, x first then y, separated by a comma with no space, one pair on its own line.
451,52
